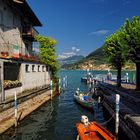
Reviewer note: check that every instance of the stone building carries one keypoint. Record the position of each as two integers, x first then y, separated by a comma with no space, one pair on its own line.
20,67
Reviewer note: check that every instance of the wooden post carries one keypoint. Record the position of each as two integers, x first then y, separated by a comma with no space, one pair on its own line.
59,85
127,78
2,81
117,115
51,89
99,101
64,83
15,95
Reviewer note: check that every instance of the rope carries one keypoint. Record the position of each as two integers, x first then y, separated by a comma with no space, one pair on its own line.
104,123
102,100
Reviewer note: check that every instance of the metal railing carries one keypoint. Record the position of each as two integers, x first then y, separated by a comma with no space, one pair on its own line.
29,32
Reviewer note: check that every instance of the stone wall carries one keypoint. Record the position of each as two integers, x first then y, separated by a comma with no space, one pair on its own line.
31,75
36,75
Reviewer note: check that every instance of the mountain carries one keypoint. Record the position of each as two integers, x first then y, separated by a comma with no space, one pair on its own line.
96,60
71,60
98,56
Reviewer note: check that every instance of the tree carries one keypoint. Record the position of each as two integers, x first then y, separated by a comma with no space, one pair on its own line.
117,53
132,38
48,53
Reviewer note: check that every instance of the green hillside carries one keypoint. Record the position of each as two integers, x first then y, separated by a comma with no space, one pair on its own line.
97,57
96,60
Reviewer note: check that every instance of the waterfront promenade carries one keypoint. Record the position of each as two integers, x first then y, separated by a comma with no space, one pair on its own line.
129,96
129,106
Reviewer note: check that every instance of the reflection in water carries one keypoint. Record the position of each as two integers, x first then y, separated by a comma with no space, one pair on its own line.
36,123
56,119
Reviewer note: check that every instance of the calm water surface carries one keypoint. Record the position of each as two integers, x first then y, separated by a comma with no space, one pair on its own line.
56,119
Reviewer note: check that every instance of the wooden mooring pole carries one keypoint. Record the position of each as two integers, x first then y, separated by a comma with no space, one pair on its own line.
117,116
15,95
59,85
51,89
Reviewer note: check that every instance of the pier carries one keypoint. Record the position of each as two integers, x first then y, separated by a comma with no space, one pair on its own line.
129,106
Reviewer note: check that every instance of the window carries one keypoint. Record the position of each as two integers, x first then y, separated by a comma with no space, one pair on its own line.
43,68
27,68
47,69
33,68
38,68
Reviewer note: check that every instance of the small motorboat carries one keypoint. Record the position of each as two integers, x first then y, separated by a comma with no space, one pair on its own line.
84,100
92,131
87,78
84,79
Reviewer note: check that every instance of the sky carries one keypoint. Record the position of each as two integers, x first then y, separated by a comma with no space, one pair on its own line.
81,26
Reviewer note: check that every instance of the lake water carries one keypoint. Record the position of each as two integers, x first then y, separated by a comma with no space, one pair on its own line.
56,119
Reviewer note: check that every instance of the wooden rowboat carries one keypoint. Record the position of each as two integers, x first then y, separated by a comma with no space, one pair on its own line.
85,103
93,131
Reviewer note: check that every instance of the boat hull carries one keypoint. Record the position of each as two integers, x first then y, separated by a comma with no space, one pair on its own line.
84,79
93,131
86,104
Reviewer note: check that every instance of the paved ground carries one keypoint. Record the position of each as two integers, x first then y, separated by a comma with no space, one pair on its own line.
129,96
129,106
129,88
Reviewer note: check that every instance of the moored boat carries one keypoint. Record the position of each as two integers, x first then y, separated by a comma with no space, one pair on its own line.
84,79
84,100
87,78
92,131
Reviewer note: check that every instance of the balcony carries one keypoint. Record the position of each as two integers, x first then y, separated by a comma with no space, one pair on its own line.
29,33
10,51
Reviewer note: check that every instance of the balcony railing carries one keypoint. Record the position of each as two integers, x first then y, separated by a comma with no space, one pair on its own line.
29,33
11,51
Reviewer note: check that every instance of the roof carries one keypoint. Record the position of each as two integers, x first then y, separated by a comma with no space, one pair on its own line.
26,11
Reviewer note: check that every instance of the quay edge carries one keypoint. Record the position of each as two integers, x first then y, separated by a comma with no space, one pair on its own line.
129,119
24,109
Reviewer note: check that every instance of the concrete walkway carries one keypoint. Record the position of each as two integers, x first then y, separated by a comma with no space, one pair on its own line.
129,96
129,106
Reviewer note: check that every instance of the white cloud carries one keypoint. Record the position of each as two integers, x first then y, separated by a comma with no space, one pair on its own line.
66,55
99,32
69,53
61,56
73,52
75,49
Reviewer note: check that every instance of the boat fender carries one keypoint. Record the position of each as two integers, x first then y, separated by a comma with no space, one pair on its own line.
84,120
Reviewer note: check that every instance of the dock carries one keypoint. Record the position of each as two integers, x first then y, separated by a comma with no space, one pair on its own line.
129,106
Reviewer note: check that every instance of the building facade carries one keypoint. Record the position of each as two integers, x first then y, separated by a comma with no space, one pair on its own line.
20,67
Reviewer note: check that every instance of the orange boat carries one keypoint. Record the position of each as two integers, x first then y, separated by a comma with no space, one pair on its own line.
92,131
